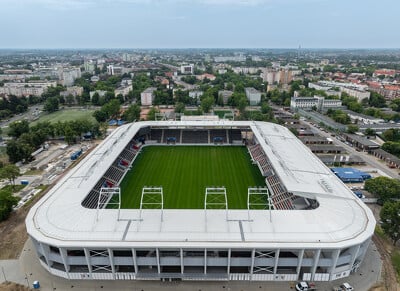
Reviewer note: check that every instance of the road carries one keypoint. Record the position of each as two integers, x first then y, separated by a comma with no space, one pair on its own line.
369,159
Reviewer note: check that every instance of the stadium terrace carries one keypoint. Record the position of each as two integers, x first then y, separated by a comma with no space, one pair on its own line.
301,223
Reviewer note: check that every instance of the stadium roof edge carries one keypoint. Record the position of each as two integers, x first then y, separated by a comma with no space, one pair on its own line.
58,218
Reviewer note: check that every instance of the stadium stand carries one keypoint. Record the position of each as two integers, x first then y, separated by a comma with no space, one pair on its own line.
156,134
195,136
218,135
235,134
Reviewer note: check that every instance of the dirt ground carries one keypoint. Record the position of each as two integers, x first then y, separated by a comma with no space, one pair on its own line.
388,273
14,234
10,286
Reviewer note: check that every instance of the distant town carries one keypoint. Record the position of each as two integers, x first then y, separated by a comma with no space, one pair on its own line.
56,106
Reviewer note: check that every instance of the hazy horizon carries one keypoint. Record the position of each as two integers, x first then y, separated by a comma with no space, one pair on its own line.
203,24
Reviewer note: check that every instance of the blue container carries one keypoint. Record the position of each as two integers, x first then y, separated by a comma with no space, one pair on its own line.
36,285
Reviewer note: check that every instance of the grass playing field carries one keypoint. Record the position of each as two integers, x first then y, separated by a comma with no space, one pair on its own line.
67,115
184,172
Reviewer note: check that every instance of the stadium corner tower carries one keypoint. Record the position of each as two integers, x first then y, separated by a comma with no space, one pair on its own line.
303,223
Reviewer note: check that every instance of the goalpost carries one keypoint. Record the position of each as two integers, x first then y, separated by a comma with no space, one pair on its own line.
215,198
109,197
258,199
152,198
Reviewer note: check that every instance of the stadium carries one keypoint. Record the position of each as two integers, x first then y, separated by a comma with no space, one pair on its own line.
201,200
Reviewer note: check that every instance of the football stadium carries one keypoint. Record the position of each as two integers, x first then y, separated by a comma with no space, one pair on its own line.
201,200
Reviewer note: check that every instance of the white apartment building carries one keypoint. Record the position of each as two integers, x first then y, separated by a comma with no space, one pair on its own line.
354,90
253,96
307,103
187,69
123,90
26,89
147,96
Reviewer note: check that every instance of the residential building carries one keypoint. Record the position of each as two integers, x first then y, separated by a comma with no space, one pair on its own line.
187,69
26,89
147,96
90,66
225,94
253,95
353,90
95,79
123,90
318,102
195,94
69,75
362,118
210,77
100,92
74,91
114,70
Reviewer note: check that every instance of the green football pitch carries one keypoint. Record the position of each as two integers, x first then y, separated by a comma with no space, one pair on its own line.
184,172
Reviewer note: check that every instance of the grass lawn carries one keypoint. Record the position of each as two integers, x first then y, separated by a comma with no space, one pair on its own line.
13,189
221,113
67,115
184,172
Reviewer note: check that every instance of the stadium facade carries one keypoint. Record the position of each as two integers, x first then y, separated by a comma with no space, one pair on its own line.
314,227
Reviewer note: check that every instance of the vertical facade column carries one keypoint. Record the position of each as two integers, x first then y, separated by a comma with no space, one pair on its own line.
158,261
88,261
229,262
299,263
277,252
354,256
46,251
205,261
335,257
111,258
182,265
316,260
63,254
135,261
253,254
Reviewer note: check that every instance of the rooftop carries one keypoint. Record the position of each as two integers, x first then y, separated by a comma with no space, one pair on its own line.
340,220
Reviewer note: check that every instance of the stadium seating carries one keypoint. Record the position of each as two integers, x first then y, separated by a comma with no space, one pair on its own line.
195,136
156,134
218,135
235,134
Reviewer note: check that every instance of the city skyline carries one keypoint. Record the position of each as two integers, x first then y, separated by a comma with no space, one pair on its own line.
51,24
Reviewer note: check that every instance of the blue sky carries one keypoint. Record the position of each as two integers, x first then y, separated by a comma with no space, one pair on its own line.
199,23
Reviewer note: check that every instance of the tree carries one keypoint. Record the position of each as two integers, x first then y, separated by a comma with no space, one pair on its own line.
132,113
151,115
384,188
351,128
51,104
18,151
7,201
100,115
377,100
10,172
180,107
390,217
112,108
70,99
207,103
17,128
370,132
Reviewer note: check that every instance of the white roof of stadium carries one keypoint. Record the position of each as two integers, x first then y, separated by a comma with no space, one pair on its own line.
340,220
